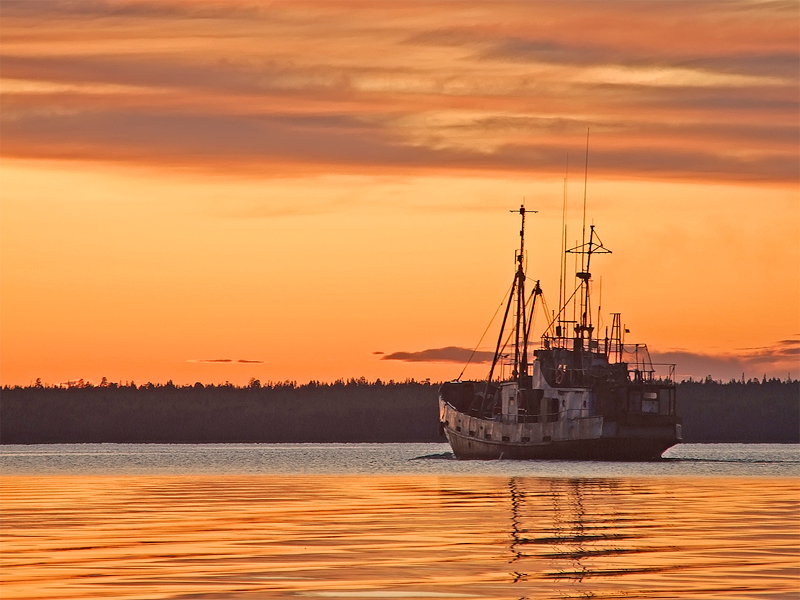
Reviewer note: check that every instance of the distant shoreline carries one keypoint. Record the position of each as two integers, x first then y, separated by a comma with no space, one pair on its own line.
353,411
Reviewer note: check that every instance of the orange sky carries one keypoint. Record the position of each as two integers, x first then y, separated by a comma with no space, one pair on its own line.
304,185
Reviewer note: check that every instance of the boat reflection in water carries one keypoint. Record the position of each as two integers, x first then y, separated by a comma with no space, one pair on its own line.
580,544
604,538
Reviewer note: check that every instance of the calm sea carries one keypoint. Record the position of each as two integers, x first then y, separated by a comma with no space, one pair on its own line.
251,521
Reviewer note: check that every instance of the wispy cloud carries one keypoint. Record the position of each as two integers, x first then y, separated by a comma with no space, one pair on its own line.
776,360
225,361
101,9
448,354
323,142
707,92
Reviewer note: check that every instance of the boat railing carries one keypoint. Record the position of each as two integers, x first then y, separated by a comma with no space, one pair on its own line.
642,368
549,417
655,373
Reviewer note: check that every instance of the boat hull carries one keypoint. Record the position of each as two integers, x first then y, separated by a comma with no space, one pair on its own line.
569,439
622,449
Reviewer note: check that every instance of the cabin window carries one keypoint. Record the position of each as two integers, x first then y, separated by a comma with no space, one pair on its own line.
650,403
650,406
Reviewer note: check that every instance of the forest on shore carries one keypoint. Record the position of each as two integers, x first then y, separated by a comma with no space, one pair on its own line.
343,411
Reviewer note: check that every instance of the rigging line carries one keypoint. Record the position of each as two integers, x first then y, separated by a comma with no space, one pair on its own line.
544,307
525,309
532,323
499,306
500,337
550,324
527,323
508,339
511,332
537,290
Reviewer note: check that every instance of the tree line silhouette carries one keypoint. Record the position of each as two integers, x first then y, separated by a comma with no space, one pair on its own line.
354,410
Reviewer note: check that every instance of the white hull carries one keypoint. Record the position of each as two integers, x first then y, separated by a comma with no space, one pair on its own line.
581,438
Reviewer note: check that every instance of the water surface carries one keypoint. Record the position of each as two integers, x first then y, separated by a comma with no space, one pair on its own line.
394,521
690,460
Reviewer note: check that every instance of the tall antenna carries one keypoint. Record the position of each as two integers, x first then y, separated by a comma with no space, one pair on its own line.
563,260
585,183
574,301
599,303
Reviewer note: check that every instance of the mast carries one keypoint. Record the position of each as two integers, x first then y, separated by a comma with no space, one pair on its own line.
520,275
520,372
521,327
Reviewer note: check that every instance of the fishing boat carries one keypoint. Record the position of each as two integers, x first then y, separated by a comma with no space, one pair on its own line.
580,396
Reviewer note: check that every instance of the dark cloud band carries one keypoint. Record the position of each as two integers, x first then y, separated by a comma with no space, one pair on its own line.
779,358
259,112
448,354
226,361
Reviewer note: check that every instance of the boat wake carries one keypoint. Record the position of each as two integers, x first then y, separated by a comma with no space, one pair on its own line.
442,456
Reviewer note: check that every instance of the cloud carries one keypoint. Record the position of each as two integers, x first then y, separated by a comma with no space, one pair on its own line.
203,137
210,360
158,73
782,352
104,9
225,361
767,65
745,38
264,143
448,354
775,360
778,64
513,87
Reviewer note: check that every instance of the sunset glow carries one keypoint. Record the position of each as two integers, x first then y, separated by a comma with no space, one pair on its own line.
212,191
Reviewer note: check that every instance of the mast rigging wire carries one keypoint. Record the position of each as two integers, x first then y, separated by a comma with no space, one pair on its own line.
499,306
525,308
